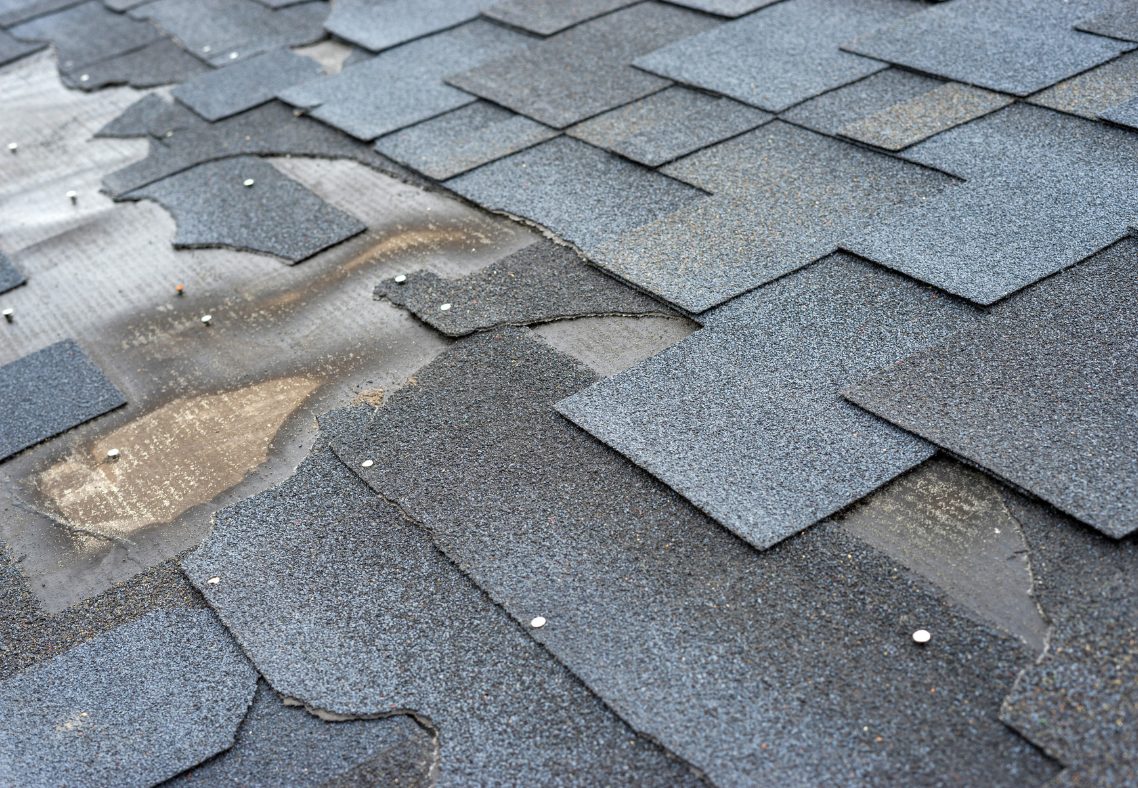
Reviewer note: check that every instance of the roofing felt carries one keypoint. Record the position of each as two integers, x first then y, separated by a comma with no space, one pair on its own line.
10,275
246,203
463,139
754,667
48,392
130,708
14,49
87,33
1096,90
1042,393
13,12
1013,46
219,94
160,63
783,198
780,55
403,86
1030,171
1120,21
585,70
546,17
539,283
382,25
279,745
347,606
838,108
584,194
668,124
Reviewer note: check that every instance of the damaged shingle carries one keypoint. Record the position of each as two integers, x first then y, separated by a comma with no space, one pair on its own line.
546,17
13,49
381,24
160,63
247,84
10,275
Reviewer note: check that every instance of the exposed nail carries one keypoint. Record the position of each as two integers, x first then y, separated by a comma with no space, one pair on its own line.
232,55
206,319
8,315
214,581
921,636
84,78
180,289
248,182
445,307
113,455
400,279
12,146
537,623
73,197
206,48
366,464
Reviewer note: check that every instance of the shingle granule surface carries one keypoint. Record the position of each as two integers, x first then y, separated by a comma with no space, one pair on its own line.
219,94
10,275
381,25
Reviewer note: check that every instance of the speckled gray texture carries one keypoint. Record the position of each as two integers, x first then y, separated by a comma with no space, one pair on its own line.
585,195
10,275
1041,394
783,197
780,55
142,117
48,392
1013,46
123,5
279,745
13,12
87,33
245,85
585,70
405,85
729,8
276,215
461,140
1080,704
1125,114
831,111
537,284
381,24
546,17
669,124
793,667
1096,90
1045,191
160,63
13,49
128,709
346,605
1121,21
215,30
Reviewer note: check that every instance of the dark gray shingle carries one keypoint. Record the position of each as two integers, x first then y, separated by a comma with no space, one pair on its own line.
219,94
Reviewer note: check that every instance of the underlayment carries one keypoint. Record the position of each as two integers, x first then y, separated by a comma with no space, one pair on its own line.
14,49
13,12
783,197
10,275
1096,90
1041,394
1120,21
50,391
378,26
247,84
780,55
461,140
831,111
537,284
215,204
793,667
546,17
403,86
160,63
585,195
1013,46
278,745
668,124
308,585
86,34
585,70
1080,703
130,708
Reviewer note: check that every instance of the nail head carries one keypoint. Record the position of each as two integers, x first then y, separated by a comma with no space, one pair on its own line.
922,636
248,181
400,279
538,622
366,464
180,289
113,454
12,146
206,319
8,315
214,581
84,78
445,307
73,196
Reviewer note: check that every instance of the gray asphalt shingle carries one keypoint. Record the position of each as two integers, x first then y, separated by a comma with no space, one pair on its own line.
381,24
160,63
831,111
13,12
546,17
1120,21
1094,91
10,275
87,33
14,49
219,94
729,8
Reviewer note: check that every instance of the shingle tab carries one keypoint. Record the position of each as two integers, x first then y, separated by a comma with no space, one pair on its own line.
87,33
10,275
14,49
160,63
1094,91
1121,21
831,111
546,17
13,12
729,8
381,24
219,94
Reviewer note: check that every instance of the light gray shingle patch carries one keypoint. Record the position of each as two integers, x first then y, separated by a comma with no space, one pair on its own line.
780,55
729,8
1042,394
129,709
48,392
583,194
783,197
279,745
160,63
381,24
275,215
344,604
13,12
217,30
1045,191
537,284
10,275
12,49
668,124
219,94
461,140
831,111
403,86
138,119
1124,114
87,33
546,17
585,70
780,668
1094,91
1013,46
123,5
1121,21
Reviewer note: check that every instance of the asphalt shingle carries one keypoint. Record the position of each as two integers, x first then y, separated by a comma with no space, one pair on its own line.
13,49
87,33
10,275
1125,114
1094,91
838,108
160,63
729,8
219,94
381,24
546,17
1120,21
13,12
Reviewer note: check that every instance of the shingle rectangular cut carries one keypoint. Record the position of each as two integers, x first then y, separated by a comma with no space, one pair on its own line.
831,111
546,17
10,275
87,33
219,94
1094,91
381,24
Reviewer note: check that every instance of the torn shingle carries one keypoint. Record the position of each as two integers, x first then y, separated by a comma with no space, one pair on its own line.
160,63
403,86
274,214
219,94
668,124
131,708
10,275
87,33
1042,394
1094,91
537,284
123,5
378,25
139,119
583,194
546,17
831,111
585,70
48,392
791,667
461,140
347,606
1121,21
12,49
780,55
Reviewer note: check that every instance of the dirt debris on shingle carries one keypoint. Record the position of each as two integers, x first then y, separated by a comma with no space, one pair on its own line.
13,49
133,707
10,275
585,70
160,63
1041,393
669,124
377,26
546,17
1120,21
831,111
1094,91
87,34
793,667
347,606
247,84
48,392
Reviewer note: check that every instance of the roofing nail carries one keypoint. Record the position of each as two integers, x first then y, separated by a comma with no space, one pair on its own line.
366,464
8,315
537,623
180,289
74,197
248,182
207,319
12,146
206,48
445,307
400,279
232,55
921,636
214,581
112,455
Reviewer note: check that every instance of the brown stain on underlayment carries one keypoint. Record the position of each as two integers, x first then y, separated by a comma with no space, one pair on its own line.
173,458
